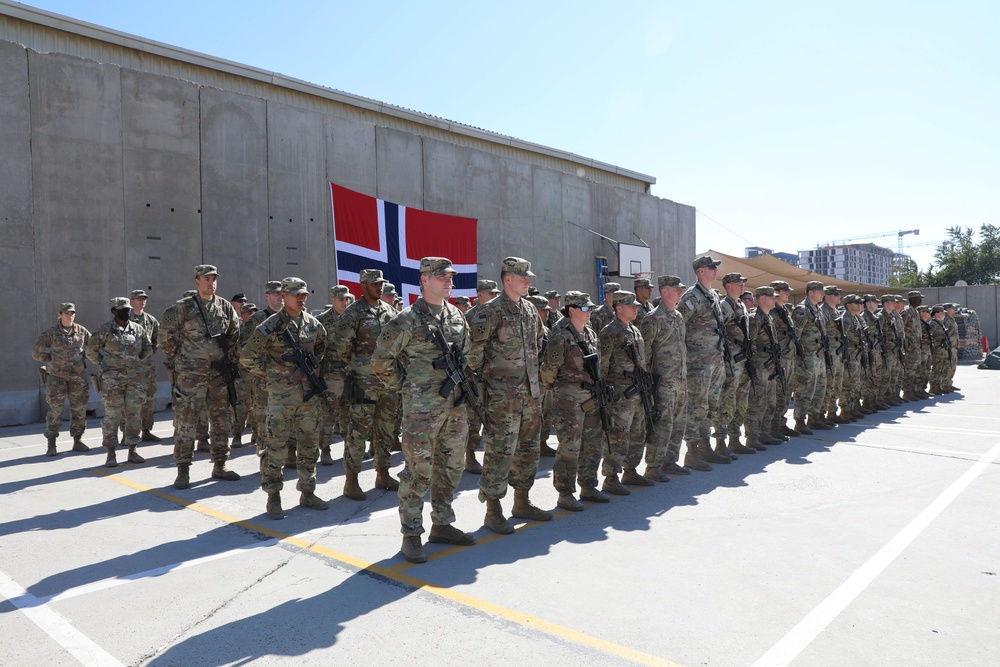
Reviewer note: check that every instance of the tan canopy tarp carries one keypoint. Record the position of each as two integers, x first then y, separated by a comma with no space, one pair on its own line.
762,270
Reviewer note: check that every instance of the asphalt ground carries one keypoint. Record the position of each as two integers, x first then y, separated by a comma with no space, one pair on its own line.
876,543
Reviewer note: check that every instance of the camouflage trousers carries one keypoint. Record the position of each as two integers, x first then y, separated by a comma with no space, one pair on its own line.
783,392
434,449
192,395
704,386
810,386
834,384
952,366
149,385
628,435
732,402
285,423
243,405
511,449
763,399
894,374
663,443
876,378
911,368
577,422
475,426
852,385
331,421
258,407
123,398
545,425
375,422
924,373
940,367
57,390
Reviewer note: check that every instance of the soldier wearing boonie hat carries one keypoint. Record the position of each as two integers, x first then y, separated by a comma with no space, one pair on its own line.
507,338
119,348
810,374
605,315
294,401
61,348
138,300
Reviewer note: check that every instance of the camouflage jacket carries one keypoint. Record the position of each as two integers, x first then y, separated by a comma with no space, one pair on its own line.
406,351
190,348
252,323
562,364
833,323
602,317
891,330
354,339
665,350
641,312
263,356
873,325
951,326
62,350
152,327
553,317
856,341
616,359
119,351
329,318
940,340
912,336
811,327
764,338
737,323
506,342
784,327
702,314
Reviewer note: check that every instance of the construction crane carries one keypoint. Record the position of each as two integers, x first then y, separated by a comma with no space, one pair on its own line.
899,234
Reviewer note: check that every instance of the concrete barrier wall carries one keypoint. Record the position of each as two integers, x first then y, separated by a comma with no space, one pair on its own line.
984,299
113,179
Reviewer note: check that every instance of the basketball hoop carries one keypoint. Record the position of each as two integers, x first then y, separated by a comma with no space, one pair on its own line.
649,275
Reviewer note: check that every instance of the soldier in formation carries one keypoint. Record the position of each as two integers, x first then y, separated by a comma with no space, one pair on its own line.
61,348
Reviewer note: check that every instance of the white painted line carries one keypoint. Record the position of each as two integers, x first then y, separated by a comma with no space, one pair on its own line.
54,625
792,644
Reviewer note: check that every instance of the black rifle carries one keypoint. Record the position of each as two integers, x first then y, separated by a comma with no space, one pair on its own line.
720,330
843,350
354,392
747,346
824,339
790,330
643,383
308,365
452,362
225,366
599,389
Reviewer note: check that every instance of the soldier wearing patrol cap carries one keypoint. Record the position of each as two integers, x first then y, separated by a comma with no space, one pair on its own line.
486,291
893,346
507,339
270,355
941,351
333,420
389,293
463,304
856,356
247,310
876,378
643,289
810,375
190,339
138,299
553,315
434,428
541,305
912,341
373,406
791,355
766,360
837,346
953,336
605,315
61,348
273,301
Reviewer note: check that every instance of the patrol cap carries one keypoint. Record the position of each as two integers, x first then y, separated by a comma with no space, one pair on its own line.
436,266
913,293
120,302
339,291
937,309
240,296
764,290
517,266
814,286
898,298
868,297
705,262
641,282
461,301
670,281
205,270
923,309
138,294
388,288
747,293
611,288
552,294
67,307
292,285
733,278
370,276
950,305
538,301
272,287
850,298
888,297
249,307
398,300
487,286
625,298
781,286
533,291
577,299
832,290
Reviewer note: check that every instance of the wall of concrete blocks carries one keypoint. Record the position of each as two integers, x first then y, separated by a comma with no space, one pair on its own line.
113,179
984,299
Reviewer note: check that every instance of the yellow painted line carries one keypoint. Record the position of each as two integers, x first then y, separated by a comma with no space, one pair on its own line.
395,574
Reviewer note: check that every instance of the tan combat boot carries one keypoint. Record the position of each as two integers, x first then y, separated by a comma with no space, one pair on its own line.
738,447
802,428
273,509
183,479
693,460
220,471
51,441
817,424
112,460
147,436
705,449
312,501
495,520
383,480
525,509
632,477
471,464
352,489
413,550
325,457
133,456
448,534
612,485
722,450
78,445
568,501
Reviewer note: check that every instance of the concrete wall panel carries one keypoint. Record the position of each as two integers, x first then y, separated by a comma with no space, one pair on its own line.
581,247
17,252
681,238
399,164
77,183
234,191
514,209
301,240
350,154
162,158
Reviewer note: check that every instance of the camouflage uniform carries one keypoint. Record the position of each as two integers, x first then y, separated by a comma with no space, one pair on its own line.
288,413
766,360
810,375
663,334
152,327
121,353
333,417
258,393
876,379
434,428
374,418
194,355
855,359
892,343
951,326
788,338
926,350
628,423
835,372
735,394
61,349
912,342
604,315
941,353
706,371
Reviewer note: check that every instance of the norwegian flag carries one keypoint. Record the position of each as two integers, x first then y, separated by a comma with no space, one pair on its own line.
372,233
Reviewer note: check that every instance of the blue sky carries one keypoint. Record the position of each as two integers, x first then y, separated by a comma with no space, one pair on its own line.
785,123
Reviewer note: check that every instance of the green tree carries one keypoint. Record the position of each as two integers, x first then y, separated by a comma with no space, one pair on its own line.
909,275
962,258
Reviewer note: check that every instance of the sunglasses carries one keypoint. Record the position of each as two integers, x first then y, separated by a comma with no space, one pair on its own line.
585,309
